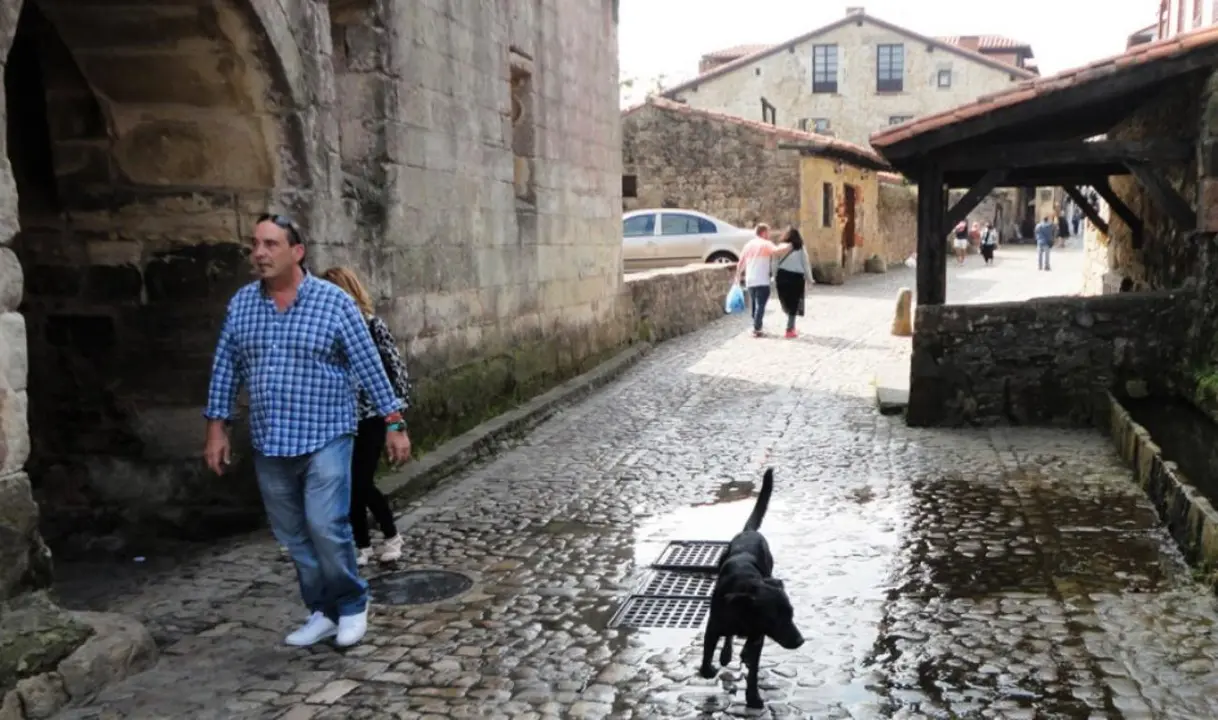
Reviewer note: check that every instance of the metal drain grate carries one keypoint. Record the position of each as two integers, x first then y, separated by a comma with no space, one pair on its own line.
667,583
662,612
691,555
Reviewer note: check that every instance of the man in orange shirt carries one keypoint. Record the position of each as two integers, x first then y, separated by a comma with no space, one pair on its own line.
754,272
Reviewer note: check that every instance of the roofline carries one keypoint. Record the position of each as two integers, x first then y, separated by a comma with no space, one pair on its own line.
857,17
857,155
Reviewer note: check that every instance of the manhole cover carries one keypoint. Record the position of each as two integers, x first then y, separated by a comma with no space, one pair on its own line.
417,587
667,583
691,555
666,612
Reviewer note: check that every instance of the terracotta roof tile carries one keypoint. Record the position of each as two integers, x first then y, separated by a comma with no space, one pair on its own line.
734,52
746,60
1093,72
788,133
987,42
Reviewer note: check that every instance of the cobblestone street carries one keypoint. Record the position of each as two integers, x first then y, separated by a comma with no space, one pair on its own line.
1006,573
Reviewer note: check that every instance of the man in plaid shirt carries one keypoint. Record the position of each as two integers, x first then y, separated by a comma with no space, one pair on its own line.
297,343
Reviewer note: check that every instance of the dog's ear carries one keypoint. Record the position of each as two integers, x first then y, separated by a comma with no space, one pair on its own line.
775,583
740,602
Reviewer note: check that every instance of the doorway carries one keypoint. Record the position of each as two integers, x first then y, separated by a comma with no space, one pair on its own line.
849,226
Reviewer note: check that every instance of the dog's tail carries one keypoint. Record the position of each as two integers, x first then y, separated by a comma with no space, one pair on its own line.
763,502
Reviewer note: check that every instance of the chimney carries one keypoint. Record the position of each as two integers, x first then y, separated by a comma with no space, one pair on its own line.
969,42
858,10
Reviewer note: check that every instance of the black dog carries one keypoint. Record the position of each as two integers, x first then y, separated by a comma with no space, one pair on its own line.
749,602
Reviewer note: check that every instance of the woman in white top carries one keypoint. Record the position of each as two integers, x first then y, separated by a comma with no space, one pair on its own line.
791,277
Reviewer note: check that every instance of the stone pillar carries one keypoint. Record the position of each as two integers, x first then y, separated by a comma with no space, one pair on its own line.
18,512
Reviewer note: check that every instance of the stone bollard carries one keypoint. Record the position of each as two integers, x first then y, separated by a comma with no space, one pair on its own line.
902,321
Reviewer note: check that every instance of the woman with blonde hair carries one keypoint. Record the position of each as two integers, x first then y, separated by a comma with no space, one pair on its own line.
370,437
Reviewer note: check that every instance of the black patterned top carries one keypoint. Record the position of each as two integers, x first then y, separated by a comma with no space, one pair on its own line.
395,368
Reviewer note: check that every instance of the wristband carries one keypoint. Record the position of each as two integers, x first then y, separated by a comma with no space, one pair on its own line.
398,426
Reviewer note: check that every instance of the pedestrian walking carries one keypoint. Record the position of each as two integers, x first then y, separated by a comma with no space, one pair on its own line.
1044,242
989,243
960,243
755,271
370,433
299,345
791,278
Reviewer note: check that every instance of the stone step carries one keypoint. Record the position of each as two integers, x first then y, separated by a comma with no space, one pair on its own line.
892,389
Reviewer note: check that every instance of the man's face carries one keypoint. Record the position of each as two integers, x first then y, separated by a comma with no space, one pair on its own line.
270,252
764,233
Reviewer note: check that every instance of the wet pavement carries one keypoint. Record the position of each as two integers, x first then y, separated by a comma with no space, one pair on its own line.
1006,573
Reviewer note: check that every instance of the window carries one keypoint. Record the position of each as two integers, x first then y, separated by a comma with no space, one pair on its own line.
639,225
680,224
817,125
523,146
890,68
898,119
826,205
945,78
630,186
769,113
824,68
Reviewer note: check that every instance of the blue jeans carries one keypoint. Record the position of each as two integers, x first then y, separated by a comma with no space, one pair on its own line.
308,500
1042,255
759,296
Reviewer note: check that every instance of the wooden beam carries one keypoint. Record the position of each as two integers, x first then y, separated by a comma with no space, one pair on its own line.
932,237
1092,213
1165,196
1120,209
1039,177
1073,153
973,197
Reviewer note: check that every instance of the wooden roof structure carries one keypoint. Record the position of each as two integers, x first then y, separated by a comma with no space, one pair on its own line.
1042,133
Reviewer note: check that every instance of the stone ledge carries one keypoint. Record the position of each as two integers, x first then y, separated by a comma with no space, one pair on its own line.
60,657
1189,516
480,442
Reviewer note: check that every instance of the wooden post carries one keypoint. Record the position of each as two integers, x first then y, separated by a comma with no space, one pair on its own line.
932,237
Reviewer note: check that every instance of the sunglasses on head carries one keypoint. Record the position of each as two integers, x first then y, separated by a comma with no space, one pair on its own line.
285,222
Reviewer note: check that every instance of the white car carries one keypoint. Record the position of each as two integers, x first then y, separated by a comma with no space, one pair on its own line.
670,237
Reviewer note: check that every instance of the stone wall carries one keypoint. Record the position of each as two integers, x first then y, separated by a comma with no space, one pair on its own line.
721,166
856,110
898,213
666,303
1044,361
465,158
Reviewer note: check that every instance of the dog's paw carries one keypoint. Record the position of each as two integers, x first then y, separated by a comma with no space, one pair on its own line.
708,672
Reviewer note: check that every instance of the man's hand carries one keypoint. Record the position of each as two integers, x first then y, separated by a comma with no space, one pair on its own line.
216,450
397,443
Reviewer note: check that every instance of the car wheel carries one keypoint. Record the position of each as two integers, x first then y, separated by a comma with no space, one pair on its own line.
722,258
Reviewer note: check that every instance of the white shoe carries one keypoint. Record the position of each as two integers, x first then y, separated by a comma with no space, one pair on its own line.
351,629
363,556
391,551
318,628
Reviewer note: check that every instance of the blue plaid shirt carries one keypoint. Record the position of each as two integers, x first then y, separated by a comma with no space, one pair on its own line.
299,367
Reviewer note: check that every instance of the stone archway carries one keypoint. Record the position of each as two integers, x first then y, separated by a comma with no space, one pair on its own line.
143,138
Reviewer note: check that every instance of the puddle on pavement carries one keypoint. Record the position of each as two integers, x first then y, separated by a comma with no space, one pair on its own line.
1186,436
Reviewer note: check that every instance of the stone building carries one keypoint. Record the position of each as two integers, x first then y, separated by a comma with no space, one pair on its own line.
850,78
745,172
464,156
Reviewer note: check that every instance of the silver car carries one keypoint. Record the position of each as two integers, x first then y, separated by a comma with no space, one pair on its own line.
670,237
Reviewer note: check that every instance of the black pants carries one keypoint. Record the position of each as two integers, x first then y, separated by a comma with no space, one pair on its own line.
365,496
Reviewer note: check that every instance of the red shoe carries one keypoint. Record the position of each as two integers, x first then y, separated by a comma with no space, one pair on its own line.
792,334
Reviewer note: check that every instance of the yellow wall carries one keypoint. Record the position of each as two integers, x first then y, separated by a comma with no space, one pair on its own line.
825,243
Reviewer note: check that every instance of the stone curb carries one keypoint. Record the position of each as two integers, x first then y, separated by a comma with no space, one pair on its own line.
478,443
1189,516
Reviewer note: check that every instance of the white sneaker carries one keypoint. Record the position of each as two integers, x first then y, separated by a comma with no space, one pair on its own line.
391,550
363,556
318,628
351,629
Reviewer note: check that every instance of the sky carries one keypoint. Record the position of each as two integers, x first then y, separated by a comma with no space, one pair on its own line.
665,38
